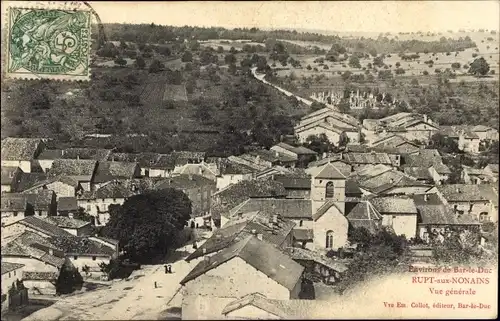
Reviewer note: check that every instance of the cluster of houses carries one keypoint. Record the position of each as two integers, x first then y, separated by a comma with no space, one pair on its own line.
277,214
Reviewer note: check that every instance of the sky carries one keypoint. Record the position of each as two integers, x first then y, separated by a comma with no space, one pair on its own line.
348,16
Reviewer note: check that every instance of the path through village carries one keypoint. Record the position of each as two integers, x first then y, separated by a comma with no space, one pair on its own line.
132,299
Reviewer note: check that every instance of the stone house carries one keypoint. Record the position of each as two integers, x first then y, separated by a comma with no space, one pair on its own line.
71,225
67,206
469,142
410,126
243,267
62,186
21,152
81,170
394,142
480,201
435,217
14,207
48,156
232,173
302,155
10,177
11,272
398,213
298,187
111,170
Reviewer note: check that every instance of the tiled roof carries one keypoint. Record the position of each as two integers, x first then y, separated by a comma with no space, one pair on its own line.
303,234
39,276
109,170
259,254
391,141
304,254
379,179
97,154
427,158
300,150
324,208
493,168
251,224
41,201
184,181
67,204
329,171
9,267
271,156
287,208
234,194
229,168
73,245
293,182
43,226
433,212
364,214
189,155
65,222
418,172
124,188
73,167
165,161
394,205
367,158
20,148
468,134
8,174
13,202
63,179
466,192
145,160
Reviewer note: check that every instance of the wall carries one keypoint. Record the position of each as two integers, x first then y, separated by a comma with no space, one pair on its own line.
81,261
468,145
239,279
306,224
9,278
407,190
282,150
30,264
298,193
227,179
403,224
477,208
6,188
24,165
45,164
332,136
438,179
90,206
158,172
9,218
332,220
40,287
251,312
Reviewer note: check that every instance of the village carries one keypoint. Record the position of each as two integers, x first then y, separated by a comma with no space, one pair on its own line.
280,217
210,173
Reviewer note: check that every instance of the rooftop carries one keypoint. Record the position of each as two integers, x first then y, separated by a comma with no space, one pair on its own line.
9,267
108,170
286,208
97,154
467,192
65,222
261,255
73,167
300,150
293,182
20,148
330,171
43,226
394,205
184,181
433,211
8,174
67,204
13,202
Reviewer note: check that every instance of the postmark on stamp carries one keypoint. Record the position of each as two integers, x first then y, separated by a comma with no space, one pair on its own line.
48,44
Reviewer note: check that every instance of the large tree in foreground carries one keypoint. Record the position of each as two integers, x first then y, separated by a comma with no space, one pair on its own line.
149,224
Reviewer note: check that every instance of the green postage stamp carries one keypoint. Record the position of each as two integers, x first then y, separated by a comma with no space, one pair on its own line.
48,44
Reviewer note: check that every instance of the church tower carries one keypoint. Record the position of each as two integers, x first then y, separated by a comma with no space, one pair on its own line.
328,185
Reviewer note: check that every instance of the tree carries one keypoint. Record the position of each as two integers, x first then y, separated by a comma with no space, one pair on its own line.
233,50
354,62
443,143
187,56
156,66
220,49
149,224
120,61
317,106
346,76
319,143
230,59
343,139
378,61
69,278
455,65
479,67
414,82
140,63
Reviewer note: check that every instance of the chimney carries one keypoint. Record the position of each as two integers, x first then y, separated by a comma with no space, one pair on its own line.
190,177
425,118
458,190
276,154
77,157
206,259
63,152
275,219
426,197
51,252
259,236
254,232
392,180
324,155
204,250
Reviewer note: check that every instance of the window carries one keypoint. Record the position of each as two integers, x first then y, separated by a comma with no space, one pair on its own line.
39,213
483,217
460,212
88,208
14,273
329,239
93,258
15,213
301,222
9,274
329,190
75,257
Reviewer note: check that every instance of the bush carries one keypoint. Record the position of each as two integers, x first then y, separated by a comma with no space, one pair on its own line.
425,73
69,279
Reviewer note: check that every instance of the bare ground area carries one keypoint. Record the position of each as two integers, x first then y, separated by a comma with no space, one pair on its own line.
133,298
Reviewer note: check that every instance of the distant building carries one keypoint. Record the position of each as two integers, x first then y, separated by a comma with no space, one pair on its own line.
10,178
469,142
301,154
232,173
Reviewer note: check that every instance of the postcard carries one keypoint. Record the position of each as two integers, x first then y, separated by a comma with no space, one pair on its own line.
218,160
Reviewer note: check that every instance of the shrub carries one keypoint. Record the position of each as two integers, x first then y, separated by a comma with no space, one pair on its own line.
69,279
